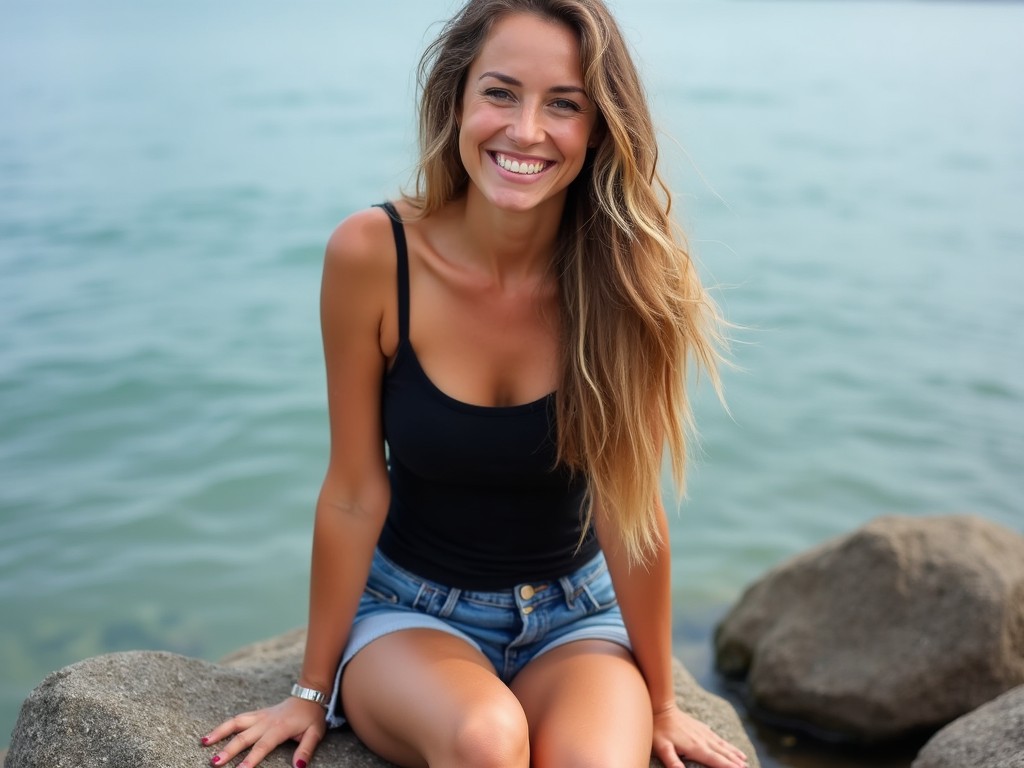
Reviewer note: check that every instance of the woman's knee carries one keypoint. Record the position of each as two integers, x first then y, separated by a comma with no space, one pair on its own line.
580,745
493,734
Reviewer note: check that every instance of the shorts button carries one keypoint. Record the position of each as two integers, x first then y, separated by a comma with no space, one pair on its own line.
528,609
526,592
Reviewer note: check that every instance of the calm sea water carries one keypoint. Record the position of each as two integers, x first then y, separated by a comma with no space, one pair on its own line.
851,173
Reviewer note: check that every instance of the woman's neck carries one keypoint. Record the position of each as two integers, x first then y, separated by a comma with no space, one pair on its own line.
510,245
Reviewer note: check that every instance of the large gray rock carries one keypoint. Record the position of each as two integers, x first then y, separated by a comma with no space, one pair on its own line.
991,736
146,708
898,628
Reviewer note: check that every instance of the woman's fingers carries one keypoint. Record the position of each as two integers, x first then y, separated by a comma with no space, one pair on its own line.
307,745
263,747
719,753
228,727
713,752
239,744
261,732
734,752
666,752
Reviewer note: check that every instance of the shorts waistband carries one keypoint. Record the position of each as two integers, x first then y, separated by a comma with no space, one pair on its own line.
568,588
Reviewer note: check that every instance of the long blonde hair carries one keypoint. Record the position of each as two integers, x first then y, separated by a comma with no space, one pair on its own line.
633,309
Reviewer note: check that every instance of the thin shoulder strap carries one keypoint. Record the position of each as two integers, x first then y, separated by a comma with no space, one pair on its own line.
403,269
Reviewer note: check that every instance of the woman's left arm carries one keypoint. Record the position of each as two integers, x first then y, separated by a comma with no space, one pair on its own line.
645,597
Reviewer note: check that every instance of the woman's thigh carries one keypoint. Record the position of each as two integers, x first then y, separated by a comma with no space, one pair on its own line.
587,705
420,697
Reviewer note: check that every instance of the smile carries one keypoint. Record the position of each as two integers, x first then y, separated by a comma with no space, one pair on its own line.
523,168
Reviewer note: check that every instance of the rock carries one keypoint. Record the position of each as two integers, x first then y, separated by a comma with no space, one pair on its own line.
126,710
892,631
991,736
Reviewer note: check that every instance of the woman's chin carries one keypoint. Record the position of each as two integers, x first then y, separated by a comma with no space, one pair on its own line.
522,201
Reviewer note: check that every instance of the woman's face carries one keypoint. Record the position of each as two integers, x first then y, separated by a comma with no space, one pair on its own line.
525,120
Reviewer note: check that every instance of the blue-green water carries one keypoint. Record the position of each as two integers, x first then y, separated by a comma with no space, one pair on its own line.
851,173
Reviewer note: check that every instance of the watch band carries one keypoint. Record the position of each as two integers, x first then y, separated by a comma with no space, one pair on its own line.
310,694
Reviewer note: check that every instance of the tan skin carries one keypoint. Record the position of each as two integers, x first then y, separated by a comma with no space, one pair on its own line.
484,323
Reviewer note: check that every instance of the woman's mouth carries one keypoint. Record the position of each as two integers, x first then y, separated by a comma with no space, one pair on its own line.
521,167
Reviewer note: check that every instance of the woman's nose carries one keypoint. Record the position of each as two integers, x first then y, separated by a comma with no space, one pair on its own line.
526,128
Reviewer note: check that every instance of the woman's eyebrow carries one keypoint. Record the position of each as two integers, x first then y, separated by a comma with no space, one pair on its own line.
509,80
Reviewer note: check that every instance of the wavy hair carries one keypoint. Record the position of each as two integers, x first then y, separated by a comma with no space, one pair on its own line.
633,310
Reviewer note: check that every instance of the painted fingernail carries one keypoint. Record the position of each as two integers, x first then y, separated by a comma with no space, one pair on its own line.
215,760
205,740
300,764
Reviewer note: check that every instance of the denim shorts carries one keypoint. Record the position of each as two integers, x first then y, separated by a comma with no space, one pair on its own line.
509,626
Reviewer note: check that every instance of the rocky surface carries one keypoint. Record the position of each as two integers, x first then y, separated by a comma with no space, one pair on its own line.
147,708
895,629
990,737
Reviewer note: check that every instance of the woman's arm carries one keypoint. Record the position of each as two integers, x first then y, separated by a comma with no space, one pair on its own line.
358,281
645,597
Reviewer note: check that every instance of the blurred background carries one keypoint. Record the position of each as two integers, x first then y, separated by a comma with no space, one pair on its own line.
851,174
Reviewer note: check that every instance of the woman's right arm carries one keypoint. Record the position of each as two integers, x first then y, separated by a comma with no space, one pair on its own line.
358,281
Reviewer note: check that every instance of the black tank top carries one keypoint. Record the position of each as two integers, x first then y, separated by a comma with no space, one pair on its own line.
476,499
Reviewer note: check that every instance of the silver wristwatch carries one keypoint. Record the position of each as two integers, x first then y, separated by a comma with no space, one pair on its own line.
310,694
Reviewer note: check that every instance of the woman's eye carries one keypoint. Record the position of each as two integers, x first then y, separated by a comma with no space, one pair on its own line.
498,93
566,104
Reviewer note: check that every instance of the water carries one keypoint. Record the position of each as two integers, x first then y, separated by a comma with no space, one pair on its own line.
851,174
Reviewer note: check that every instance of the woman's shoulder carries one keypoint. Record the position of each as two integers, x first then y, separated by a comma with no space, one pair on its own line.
357,292
362,242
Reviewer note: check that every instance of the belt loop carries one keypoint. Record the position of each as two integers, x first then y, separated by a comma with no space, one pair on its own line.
423,595
569,590
449,604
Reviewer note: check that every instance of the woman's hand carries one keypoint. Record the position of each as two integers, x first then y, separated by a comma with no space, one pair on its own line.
265,729
677,733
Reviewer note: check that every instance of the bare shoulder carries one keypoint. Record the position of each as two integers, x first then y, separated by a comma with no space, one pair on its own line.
361,247
357,293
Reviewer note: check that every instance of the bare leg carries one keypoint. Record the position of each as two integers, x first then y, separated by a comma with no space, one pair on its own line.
420,697
588,706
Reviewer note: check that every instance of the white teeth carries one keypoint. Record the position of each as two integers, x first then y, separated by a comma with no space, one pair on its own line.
515,166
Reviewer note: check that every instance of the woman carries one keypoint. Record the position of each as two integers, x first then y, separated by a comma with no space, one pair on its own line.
518,333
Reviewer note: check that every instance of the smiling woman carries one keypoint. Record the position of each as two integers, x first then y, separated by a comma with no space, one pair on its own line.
496,592
523,139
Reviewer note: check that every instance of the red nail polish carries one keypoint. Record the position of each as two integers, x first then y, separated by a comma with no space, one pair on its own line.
205,740
300,764
215,759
